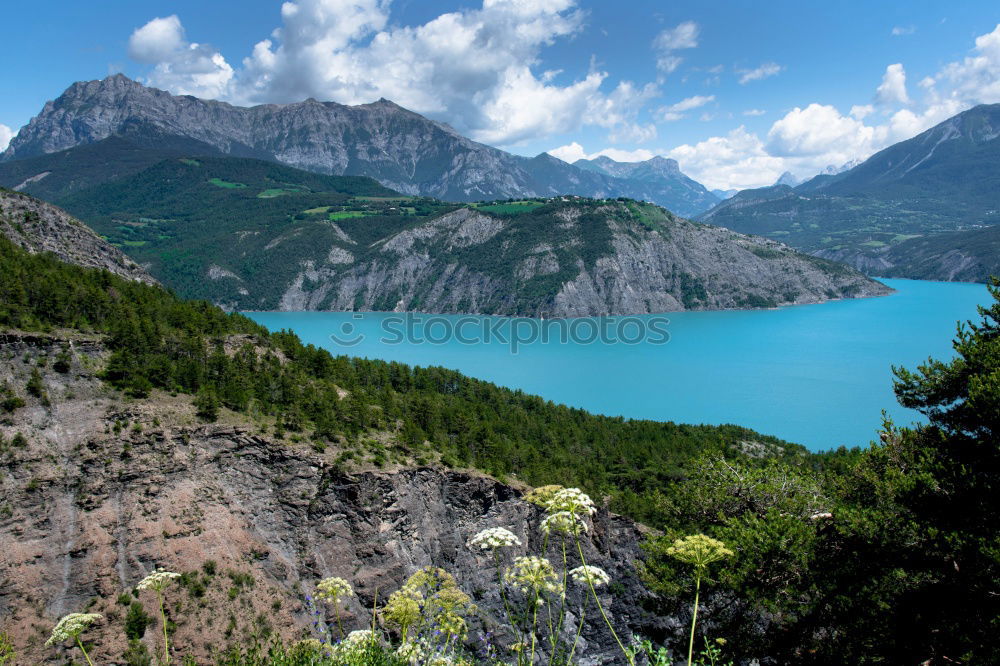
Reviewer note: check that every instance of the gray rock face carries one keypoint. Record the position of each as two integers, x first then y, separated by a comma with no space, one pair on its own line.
89,508
401,149
40,227
545,265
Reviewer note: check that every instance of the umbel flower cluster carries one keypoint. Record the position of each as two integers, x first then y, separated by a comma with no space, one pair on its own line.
157,580
334,589
494,537
572,500
585,573
699,551
533,574
71,626
537,579
563,522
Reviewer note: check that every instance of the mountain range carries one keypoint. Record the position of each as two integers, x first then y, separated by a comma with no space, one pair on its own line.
254,235
401,149
921,208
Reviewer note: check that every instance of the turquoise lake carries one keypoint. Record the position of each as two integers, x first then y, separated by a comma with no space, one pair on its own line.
818,375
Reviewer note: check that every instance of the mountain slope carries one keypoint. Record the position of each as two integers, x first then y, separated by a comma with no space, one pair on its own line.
253,235
401,149
53,176
962,256
944,180
40,227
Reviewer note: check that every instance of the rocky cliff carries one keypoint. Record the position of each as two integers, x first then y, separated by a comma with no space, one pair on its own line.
97,490
39,227
401,149
567,259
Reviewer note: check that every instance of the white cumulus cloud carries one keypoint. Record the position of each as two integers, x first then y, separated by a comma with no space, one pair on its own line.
820,130
892,91
574,151
900,30
682,36
473,68
6,134
738,161
182,67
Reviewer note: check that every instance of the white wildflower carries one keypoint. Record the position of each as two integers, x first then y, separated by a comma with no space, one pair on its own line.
334,589
533,574
411,652
353,644
494,537
71,626
597,575
573,500
360,637
158,580
563,522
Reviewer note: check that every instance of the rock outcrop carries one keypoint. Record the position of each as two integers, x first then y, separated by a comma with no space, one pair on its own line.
39,227
102,490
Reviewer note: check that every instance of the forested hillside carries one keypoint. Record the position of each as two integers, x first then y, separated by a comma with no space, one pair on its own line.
228,361
252,235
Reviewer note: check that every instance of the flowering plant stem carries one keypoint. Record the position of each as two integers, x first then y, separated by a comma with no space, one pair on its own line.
506,605
600,607
579,630
340,626
694,616
534,626
85,655
554,635
163,619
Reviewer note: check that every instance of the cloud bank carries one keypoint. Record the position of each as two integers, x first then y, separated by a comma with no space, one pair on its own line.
6,134
474,68
480,69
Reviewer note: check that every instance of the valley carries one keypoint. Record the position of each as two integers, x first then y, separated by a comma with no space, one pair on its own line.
404,335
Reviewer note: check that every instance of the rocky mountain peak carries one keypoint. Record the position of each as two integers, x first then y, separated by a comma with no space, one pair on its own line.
664,163
398,147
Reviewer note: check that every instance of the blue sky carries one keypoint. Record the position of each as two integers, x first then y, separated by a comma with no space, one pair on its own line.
738,92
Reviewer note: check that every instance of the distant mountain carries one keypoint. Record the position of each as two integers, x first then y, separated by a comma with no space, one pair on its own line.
944,180
401,149
40,227
788,178
664,180
251,234
724,194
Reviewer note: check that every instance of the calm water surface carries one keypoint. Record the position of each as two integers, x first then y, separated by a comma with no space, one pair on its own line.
815,374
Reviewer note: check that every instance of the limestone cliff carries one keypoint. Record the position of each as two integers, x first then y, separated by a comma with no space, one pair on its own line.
564,260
